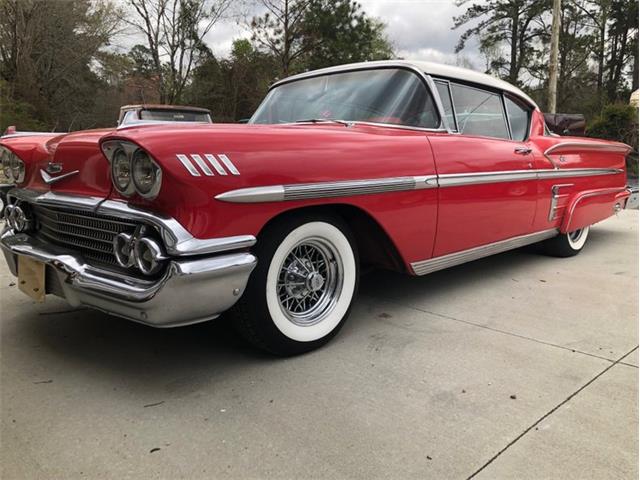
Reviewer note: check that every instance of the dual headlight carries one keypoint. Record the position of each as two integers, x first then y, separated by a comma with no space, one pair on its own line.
132,169
12,167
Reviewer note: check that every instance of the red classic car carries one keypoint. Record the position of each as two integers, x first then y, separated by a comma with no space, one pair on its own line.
410,166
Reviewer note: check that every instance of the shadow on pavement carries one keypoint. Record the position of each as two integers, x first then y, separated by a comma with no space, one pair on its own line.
124,352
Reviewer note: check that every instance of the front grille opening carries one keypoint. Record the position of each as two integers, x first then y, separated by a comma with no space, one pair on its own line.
88,233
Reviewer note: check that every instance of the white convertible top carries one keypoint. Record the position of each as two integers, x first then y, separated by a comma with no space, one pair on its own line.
430,68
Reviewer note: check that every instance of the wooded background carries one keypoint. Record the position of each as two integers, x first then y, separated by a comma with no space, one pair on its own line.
59,69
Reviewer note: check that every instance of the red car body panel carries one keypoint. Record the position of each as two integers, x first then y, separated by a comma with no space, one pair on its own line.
420,223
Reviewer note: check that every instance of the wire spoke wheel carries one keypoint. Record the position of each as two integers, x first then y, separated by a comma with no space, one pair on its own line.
310,281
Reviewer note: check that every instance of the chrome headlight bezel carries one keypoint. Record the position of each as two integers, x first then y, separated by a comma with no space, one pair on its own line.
146,187
5,157
121,165
13,167
112,148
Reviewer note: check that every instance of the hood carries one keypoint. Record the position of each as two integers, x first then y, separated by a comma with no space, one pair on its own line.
201,161
59,155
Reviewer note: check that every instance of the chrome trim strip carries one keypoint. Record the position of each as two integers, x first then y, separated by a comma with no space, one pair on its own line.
48,179
345,188
188,165
228,163
273,193
479,178
577,172
178,241
424,267
461,179
302,191
201,163
215,164
555,196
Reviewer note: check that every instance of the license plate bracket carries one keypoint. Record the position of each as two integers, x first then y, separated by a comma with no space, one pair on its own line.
31,278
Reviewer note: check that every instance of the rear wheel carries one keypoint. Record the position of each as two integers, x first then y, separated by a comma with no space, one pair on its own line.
567,244
301,292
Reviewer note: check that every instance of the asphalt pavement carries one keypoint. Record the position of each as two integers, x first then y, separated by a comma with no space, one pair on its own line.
516,366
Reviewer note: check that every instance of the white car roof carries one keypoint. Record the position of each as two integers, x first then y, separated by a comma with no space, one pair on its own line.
430,68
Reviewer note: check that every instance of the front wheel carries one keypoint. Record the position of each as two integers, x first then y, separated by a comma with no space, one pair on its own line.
301,292
567,244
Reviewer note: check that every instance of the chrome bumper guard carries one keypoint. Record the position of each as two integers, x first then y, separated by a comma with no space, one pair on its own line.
202,279
192,289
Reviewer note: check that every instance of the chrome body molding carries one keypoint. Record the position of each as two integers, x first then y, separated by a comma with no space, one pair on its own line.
304,191
346,188
178,241
621,148
190,161
479,178
48,179
190,290
439,263
555,196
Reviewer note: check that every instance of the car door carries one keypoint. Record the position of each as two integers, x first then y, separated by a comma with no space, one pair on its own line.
487,180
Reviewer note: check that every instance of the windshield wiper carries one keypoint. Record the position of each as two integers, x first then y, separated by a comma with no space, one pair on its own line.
325,120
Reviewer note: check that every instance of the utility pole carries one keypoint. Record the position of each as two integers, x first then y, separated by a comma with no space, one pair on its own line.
553,63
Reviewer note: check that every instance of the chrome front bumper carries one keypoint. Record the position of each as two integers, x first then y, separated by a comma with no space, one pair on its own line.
193,289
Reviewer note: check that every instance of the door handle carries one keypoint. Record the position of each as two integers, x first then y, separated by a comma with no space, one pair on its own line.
522,150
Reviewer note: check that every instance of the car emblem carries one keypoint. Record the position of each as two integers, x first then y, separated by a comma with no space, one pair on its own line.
48,179
53,167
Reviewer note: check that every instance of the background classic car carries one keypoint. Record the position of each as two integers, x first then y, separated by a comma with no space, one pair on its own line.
410,166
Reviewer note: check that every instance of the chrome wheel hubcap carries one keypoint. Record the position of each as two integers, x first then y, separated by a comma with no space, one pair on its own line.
575,236
310,281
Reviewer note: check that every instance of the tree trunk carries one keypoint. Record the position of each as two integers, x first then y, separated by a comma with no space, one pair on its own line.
553,63
513,66
634,80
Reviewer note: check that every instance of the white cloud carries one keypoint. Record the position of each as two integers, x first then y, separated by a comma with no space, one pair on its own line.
418,29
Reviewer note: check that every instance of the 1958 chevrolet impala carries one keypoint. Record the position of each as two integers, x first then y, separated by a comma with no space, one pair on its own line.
410,166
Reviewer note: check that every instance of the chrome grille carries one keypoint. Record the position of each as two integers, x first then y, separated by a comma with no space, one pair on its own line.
89,233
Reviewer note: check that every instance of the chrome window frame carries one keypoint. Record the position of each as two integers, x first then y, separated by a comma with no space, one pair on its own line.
489,91
501,93
425,78
526,107
447,83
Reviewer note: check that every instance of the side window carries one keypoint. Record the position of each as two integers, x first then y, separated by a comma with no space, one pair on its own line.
479,112
518,119
445,98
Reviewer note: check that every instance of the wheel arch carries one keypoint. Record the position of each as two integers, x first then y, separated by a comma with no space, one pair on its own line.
375,246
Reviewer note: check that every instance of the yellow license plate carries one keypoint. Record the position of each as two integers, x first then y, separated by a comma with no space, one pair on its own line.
31,278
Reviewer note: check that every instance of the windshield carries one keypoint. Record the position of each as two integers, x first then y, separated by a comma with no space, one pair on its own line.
393,96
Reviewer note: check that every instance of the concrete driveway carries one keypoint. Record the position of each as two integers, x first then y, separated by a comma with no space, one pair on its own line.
516,366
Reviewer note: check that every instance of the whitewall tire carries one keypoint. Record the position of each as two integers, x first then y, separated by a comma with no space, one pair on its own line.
567,244
302,290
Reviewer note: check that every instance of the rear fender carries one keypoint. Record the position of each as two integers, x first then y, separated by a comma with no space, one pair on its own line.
592,206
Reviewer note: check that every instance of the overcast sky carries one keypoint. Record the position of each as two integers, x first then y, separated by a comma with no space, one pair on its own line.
418,29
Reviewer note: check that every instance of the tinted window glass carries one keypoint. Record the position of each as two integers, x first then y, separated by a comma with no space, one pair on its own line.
445,98
392,96
518,119
479,112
